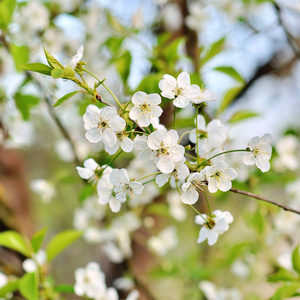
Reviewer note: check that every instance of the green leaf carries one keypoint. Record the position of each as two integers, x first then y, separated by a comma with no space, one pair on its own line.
213,50
64,288
20,55
122,64
287,290
61,241
149,83
296,259
282,275
171,50
68,73
242,115
65,98
24,103
6,11
230,71
13,240
114,44
38,238
29,286
229,97
52,61
56,73
10,287
38,67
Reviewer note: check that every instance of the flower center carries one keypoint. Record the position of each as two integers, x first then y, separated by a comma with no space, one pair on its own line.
177,91
197,186
210,224
102,124
217,174
163,151
202,134
128,191
145,107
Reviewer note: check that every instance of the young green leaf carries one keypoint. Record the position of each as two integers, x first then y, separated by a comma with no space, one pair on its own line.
64,288
122,64
38,238
6,11
213,50
65,98
38,67
52,61
24,103
28,286
282,275
285,291
20,55
13,240
242,115
296,259
56,73
229,97
230,71
67,73
61,241
10,287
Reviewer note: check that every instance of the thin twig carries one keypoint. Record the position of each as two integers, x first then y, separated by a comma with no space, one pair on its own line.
285,207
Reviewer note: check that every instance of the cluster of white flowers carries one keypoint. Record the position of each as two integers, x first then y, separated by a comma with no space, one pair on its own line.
129,129
90,282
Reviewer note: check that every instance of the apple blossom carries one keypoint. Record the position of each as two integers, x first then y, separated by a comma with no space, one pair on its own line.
167,150
77,57
123,187
179,89
145,108
31,265
260,152
214,226
90,171
205,96
219,176
102,124
193,187
123,141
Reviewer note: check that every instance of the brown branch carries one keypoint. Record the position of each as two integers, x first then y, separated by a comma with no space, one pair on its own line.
285,207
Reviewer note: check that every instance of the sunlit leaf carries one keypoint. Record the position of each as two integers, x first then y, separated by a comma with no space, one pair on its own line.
296,259
24,103
10,287
122,64
13,240
29,286
38,238
65,98
230,71
61,241
287,290
229,97
64,288
20,55
6,11
242,115
282,275
212,51
52,61
38,67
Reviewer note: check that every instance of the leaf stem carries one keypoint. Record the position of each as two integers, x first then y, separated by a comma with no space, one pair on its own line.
156,173
208,204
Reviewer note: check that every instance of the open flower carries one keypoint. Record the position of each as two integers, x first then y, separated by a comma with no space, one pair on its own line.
205,96
123,141
260,153
167,150
145,108
123,187
31,265
219,176
216,225
193,186
179,89
102,124
77,57
89,172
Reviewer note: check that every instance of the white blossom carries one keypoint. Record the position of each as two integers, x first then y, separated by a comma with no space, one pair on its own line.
260,152
31,265
77,57
165,241
181,171
210,137
167,150
102,124
193,186
44,188
219,176
179,89
90,170
176,208
90,281
205,96
123,141
3,280
123,187
216,225
145,108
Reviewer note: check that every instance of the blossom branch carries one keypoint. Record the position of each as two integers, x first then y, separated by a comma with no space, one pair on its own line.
285,207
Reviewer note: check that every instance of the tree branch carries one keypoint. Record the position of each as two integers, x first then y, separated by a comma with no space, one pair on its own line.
285,207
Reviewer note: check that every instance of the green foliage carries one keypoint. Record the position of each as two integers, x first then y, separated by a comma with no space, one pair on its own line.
114,44
67,73
282,275
229,98
257,220
64,288
296,259
37,239
65,98
20,55
230,71
29,286
149,83
52,61
212,51
13,240
122,64
24,103
38,67
286,291
6,12
242,115
10,287
61,241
